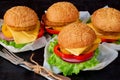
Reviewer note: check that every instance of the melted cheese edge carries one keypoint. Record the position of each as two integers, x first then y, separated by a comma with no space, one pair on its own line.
21,37
78,51
91,26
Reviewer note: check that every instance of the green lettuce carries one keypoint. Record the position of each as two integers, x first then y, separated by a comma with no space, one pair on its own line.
70,68
12,43
89,20
117,42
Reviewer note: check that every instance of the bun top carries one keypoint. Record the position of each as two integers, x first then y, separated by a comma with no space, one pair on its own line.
21,17
106,19
62,12
76,35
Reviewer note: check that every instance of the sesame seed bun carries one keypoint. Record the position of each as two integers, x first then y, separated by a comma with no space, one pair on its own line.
62,12
106,19
21,18
76,35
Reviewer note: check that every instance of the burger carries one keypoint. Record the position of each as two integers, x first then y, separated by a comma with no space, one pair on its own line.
20,27
75,49
106,24
59,15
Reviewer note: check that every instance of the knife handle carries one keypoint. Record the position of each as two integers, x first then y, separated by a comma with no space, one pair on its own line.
43,71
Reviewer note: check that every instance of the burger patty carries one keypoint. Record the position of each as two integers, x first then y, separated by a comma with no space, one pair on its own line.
106,33
49,23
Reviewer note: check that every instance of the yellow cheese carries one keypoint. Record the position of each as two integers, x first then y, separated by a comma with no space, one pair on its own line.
97,41
21,37
78,51
91,26
6,32
58,28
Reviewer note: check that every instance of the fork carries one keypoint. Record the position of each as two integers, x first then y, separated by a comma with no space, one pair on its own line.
21,62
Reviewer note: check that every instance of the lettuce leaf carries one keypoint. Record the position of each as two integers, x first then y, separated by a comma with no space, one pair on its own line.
12,43
70,68
117,42
89,20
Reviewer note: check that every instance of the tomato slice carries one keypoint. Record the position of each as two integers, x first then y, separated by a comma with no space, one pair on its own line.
52,31
108,40
72,58
41,31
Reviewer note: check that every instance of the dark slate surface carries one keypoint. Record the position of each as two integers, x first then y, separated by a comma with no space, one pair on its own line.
9,71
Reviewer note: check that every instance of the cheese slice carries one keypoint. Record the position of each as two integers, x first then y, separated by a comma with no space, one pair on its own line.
21,37
78,51
97,41
58,28
6,32
91,26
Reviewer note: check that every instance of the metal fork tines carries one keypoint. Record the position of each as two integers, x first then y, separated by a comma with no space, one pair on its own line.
15,59
11,57
19,61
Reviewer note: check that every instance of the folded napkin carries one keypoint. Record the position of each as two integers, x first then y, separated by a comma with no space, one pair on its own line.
106,56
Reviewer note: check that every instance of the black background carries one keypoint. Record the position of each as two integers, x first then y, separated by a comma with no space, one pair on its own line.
9,71
40,5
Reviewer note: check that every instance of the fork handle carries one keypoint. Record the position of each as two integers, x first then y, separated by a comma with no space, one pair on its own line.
44,72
